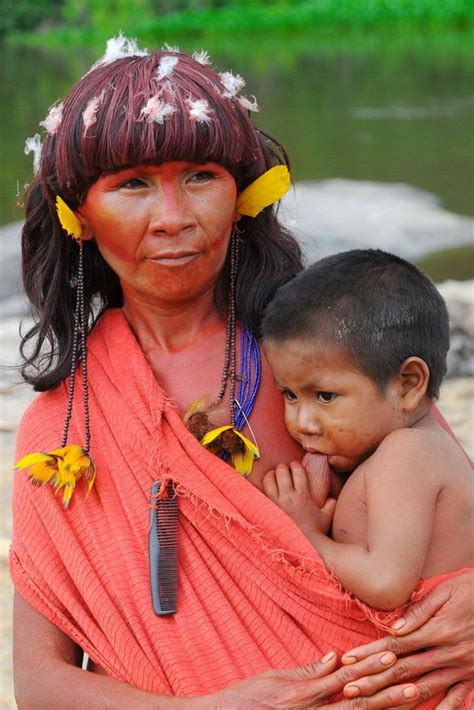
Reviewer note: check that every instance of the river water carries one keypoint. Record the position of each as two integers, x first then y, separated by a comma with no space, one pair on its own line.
380,108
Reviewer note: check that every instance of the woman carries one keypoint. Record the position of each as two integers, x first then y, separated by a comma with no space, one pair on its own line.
170,277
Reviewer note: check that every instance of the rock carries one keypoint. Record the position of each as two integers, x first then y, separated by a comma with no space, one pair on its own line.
459,298
10,266
328,216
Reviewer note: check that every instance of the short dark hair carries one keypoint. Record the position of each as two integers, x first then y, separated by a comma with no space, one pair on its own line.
378,307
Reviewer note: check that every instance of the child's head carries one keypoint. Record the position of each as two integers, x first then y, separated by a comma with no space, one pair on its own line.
357,343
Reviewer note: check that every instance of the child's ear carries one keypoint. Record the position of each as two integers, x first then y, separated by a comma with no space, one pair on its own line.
414,375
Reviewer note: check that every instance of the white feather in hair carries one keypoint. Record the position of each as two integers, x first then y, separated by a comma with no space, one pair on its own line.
249,103
118,47
53,119
89,115
169,47
202,57
199,111
156,110
232,83
165,67
33,145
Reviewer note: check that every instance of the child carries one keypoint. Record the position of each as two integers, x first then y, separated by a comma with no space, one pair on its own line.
357,344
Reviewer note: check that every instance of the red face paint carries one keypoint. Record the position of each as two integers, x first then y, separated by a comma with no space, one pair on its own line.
163,229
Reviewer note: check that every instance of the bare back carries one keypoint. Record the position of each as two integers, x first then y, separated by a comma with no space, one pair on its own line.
415,495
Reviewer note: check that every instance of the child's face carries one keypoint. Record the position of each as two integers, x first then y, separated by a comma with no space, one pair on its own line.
331,406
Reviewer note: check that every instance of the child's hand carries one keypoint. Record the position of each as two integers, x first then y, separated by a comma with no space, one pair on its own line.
288,487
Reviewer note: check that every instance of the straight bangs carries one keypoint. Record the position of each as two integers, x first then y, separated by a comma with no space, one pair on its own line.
123,129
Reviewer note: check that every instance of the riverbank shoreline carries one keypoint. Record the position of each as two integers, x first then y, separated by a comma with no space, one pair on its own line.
238,18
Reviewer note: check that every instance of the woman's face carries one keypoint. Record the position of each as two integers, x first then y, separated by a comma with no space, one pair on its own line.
163,229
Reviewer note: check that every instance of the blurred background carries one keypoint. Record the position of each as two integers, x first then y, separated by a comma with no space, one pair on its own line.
373,100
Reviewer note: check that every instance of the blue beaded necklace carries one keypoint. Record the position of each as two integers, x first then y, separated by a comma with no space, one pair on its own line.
249,377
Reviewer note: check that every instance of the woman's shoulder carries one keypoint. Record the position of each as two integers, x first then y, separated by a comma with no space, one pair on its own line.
42,422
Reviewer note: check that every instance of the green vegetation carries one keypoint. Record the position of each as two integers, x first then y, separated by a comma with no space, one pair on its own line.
456,263
79,19
27,15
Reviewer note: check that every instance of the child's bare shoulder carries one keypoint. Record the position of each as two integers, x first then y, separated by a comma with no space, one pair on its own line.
425,449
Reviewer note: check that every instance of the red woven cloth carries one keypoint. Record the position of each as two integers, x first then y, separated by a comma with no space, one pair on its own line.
253,594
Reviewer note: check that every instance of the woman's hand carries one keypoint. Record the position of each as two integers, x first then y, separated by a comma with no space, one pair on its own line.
310,686
441,626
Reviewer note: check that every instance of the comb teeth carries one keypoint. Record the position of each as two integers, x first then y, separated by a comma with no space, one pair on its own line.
163,549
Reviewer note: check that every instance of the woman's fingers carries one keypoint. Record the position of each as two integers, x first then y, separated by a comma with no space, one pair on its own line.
293,689
428,685
315,670
407,669
387,643
396,696
437,682
451,600
448,651
458,696
346,674
416,641
398,645
444,619
321,688
419,613
313,686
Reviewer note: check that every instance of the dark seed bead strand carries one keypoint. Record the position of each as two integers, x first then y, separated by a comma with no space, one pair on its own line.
83,333
232,321
229,353
75,343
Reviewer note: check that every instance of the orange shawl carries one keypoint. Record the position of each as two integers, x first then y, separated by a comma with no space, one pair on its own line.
253,594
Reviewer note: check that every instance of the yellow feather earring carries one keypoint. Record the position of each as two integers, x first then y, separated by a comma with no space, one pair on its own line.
68,219
264,191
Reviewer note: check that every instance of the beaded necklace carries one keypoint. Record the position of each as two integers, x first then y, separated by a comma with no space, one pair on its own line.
228,441
249,379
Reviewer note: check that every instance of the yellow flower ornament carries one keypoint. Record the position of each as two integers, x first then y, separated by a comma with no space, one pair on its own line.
61,468
243,452
264,191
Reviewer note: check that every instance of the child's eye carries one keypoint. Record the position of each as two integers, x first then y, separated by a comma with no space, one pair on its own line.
326,397
289,396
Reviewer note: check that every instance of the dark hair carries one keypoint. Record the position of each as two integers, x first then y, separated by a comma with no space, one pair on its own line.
72,160
376,306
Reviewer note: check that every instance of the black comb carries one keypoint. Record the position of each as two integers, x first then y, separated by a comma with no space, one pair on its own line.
163,548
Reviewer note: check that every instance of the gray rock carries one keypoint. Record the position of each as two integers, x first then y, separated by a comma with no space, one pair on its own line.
459,298
335,215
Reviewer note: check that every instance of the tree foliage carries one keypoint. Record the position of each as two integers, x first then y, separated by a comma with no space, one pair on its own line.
27,15
191,16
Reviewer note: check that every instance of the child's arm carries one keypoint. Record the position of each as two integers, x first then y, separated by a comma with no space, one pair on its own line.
401,493
401,490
